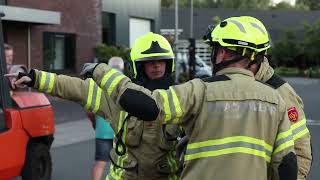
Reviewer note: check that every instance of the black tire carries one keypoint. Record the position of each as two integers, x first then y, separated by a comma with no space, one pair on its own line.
38,165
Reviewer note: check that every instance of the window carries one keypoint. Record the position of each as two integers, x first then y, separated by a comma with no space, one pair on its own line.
59,52
108,28
3,2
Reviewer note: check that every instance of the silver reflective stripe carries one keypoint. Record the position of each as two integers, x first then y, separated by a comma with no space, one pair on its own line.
110,80
46,85
299,129
283,140
240,26
258,27
229,145
171,105
109,177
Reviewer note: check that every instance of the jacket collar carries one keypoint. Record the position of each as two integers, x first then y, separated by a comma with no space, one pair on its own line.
265,71
234,70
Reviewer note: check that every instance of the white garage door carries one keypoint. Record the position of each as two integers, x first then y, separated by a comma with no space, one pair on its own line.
138,27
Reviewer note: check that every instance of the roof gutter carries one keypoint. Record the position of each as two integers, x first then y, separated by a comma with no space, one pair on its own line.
30,15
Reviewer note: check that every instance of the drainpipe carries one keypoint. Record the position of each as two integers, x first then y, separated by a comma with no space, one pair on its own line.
29,47
29,51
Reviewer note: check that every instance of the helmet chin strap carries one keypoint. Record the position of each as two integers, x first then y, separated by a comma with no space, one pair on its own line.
161,83
219,66
257,61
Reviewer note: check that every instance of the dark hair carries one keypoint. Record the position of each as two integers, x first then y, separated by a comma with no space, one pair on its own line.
8,47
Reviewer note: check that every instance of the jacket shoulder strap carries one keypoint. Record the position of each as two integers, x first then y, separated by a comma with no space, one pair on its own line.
216,78
275,81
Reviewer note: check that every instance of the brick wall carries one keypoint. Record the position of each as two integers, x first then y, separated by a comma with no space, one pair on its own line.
80,17
17,37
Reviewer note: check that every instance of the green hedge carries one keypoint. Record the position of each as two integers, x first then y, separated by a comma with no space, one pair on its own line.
313,72
104,53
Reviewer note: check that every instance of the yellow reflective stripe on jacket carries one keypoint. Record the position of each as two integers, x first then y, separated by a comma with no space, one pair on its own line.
172,162
46,81
229,145
121,159
110,80
112,175
171,104
165,105
172,165
94,97
98,100
283,141
299,129
169,162
177,106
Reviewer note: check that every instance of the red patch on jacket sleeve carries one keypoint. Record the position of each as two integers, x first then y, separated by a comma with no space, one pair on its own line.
293,114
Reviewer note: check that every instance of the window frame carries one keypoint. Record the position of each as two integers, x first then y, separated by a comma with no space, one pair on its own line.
69,58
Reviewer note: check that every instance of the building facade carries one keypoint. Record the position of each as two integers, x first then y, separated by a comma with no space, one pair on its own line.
57,36
125,20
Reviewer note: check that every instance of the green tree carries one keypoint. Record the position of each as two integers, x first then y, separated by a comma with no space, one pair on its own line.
104,53
167,3
311,4
311,44
301,6
287,50
244,4
236,4
283,5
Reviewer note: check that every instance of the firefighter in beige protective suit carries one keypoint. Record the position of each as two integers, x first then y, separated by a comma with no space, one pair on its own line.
238,127
301,134
142,150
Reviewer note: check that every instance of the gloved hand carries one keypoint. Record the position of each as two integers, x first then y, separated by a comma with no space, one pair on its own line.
87,70
21,80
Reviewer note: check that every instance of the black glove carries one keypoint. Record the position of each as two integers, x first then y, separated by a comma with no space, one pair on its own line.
31,75
87,70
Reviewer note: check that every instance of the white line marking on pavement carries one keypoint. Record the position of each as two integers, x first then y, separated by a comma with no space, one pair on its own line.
313,122
73,132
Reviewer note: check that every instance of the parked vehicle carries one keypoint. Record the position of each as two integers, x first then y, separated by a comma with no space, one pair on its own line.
202,69
26,130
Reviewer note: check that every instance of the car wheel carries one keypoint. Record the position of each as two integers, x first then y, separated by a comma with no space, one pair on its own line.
38,165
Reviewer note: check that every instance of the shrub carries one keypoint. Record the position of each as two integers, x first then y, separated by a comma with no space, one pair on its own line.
104,53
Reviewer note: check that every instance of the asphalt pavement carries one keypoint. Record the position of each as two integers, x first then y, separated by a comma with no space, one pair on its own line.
66,111
309,91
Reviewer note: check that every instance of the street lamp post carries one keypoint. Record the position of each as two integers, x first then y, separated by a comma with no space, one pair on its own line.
176,22
192,46
191,19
